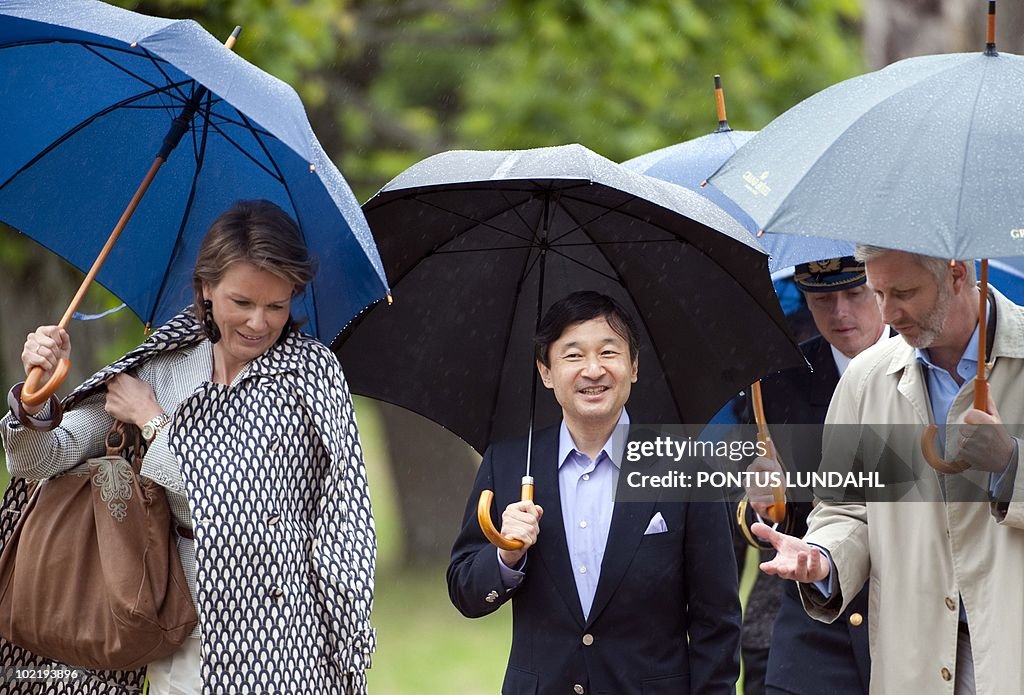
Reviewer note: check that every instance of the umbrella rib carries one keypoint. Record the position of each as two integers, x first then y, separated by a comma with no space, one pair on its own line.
75,129
525,270
579,225
481,223
519,214
256,132
199,154
672,240
277,176
640,316
288,191
168,82
963,166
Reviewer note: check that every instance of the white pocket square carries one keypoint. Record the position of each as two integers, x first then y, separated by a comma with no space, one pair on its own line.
656,525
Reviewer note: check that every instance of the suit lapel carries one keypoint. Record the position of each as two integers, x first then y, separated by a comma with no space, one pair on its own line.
552,550
629,521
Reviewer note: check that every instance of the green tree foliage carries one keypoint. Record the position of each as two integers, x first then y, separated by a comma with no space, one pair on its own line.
388,83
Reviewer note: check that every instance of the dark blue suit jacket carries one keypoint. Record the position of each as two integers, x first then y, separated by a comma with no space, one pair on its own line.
808,657
654,591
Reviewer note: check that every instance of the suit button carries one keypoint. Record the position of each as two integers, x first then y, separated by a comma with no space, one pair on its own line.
856,619
946,675
578,689
950,604
588,639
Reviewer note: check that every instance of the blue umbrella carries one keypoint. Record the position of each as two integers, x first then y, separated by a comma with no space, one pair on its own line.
91,93
691,162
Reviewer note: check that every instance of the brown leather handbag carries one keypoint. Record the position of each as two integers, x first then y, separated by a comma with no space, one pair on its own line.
91,575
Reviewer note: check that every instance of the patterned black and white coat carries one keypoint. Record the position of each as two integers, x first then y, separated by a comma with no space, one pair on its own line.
284,534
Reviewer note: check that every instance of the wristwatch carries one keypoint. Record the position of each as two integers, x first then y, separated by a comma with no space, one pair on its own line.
152,426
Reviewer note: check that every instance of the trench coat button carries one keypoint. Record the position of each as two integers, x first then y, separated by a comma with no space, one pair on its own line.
950,604
856,619
946,675
491,597
588,639
578,689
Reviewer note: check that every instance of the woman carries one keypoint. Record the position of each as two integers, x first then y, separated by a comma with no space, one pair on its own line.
251,432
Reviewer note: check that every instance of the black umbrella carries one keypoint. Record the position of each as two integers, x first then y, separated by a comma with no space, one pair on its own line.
478,244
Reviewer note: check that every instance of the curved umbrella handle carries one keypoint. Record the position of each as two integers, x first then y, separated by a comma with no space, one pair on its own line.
483,516
930,434
32,394
777,509
931,453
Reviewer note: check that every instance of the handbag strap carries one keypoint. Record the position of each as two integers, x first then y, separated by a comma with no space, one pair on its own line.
125,440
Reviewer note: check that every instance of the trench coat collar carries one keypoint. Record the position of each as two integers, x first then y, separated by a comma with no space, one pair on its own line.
182,331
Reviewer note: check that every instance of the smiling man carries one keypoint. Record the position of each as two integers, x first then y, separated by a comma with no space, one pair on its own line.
946,565
608,596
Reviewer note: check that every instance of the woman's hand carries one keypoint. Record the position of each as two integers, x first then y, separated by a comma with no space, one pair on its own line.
44,348
131,400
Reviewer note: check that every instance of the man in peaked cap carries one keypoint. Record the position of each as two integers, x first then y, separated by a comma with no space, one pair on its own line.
784,650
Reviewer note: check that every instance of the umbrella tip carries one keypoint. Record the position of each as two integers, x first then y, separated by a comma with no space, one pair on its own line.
390,299
703,183
760,233
230,43
723,123
990,44
312,168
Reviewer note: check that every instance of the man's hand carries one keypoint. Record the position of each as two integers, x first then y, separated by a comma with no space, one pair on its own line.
794,559
131,400
984,443
520,520
761,497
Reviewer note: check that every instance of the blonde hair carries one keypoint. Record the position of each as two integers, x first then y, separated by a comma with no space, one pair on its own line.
938,267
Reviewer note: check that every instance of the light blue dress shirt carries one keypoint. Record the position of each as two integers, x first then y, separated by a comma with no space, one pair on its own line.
587,491
942,391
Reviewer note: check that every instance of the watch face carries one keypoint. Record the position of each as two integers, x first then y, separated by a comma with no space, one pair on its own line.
148,431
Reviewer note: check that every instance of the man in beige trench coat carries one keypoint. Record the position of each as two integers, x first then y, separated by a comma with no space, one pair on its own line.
946,562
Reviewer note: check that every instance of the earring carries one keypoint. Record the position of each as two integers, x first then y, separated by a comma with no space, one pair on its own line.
209,327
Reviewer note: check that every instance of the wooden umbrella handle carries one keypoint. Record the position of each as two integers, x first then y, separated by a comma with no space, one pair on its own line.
32,394
777,509
483,516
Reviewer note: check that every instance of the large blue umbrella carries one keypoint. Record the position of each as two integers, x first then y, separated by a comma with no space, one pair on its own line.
691,162
89,93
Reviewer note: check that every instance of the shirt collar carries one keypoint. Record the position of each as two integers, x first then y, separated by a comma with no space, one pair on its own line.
612,448
842,361
968,359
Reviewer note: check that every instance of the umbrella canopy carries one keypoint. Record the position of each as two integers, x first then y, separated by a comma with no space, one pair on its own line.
89,92
690,163
922,156
479,243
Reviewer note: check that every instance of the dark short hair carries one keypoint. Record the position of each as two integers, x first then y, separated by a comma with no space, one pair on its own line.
579,307
256,232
